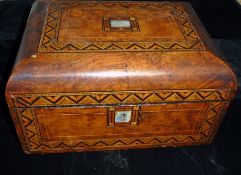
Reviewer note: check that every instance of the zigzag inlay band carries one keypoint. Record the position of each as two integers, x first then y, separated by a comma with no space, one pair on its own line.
121,97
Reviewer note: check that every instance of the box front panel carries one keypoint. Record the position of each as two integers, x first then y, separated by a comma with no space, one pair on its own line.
52,129
57,124
60,122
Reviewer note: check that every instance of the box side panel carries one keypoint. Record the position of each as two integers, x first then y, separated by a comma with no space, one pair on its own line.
206,39
19,129
226,105
30,39
33,30
28,47
204,35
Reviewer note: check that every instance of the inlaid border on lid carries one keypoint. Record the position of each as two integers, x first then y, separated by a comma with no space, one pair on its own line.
49,39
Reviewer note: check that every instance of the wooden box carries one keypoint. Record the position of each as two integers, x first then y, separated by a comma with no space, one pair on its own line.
116,75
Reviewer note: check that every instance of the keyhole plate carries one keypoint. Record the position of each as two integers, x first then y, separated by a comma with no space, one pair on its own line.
122,116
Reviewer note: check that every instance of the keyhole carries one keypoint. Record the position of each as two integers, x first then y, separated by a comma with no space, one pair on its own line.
123,116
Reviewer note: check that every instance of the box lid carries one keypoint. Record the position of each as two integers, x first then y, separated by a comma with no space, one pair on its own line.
87,46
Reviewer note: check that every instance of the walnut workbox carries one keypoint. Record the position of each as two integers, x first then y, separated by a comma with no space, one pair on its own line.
116,75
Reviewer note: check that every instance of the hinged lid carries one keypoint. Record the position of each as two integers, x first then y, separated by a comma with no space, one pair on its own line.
86,46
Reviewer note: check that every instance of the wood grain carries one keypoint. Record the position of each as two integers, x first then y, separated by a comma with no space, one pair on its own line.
73,74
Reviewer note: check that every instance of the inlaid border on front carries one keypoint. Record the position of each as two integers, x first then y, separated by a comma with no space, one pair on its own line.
34,142
25,103
120,97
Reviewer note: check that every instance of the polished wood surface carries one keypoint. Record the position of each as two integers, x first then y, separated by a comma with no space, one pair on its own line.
75,73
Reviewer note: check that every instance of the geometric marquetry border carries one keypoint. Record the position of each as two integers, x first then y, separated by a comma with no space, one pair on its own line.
35,144
49,38
24,104
120,98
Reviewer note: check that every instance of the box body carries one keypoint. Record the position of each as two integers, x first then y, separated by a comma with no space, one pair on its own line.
116,75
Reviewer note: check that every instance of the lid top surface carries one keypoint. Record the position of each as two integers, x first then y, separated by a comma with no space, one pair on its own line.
117,26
